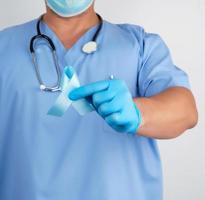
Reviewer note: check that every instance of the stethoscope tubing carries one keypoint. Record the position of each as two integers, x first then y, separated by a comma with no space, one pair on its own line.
54,55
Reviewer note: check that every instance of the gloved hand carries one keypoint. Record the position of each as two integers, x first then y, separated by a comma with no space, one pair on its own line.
113,101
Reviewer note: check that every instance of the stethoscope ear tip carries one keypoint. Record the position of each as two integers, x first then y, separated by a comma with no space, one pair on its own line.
90,47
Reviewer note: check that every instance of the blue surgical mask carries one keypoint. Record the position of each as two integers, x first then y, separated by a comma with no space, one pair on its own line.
69,8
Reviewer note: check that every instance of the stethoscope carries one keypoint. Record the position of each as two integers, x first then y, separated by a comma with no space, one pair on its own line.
89,48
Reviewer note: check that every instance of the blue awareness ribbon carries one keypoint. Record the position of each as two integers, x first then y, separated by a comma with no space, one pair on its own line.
69,82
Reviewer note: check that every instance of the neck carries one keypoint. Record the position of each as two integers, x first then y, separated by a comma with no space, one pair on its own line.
69,30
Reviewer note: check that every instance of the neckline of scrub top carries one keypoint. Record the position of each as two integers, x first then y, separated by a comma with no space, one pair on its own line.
76,49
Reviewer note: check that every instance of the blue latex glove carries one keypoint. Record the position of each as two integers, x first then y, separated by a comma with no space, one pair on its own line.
113,102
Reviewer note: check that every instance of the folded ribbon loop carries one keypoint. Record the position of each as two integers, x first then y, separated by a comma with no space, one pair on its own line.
69,82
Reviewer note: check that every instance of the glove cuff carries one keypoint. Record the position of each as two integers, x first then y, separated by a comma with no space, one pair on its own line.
139,116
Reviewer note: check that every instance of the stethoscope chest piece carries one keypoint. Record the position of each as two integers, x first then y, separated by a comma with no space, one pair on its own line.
90,47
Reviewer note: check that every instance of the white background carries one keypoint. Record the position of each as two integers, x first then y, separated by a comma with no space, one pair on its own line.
182,25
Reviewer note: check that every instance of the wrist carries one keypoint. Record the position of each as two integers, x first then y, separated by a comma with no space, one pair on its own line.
138,102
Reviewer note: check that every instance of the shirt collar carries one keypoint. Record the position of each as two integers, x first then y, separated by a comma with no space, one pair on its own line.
76,49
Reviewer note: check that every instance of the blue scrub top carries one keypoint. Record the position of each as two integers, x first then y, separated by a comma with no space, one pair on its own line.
78,158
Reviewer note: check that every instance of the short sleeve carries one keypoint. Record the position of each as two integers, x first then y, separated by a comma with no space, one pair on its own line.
157,71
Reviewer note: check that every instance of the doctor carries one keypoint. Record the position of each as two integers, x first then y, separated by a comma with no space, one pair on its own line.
109,154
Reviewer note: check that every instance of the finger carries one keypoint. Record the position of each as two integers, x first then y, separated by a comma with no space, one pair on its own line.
88,90
110,107
122,123
118,118
102,97
119,127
